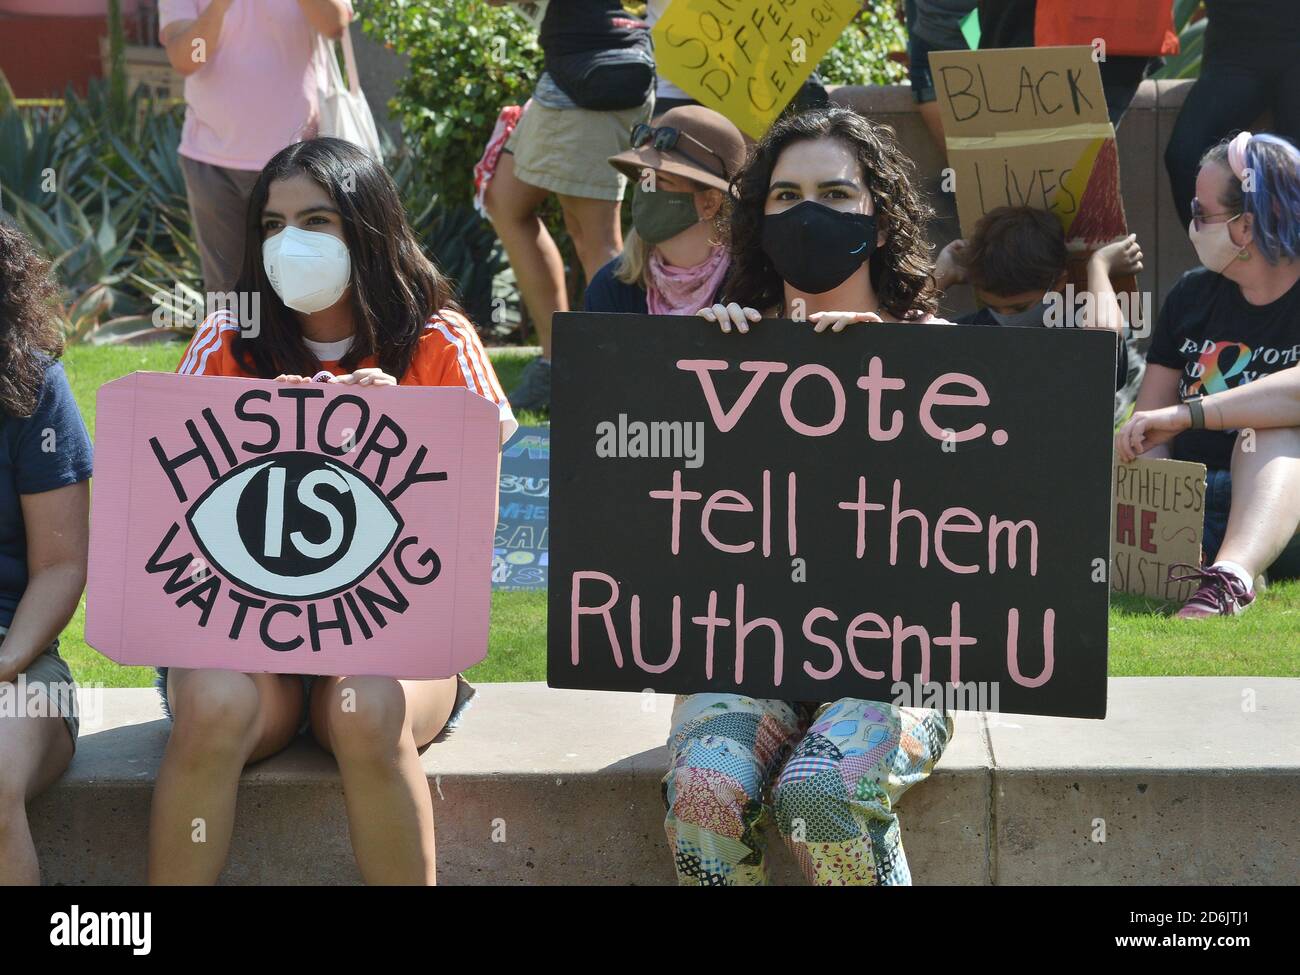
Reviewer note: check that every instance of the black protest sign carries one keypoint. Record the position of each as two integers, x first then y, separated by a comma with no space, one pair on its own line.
805,516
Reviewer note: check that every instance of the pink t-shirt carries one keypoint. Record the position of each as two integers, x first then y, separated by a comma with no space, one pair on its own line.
257,92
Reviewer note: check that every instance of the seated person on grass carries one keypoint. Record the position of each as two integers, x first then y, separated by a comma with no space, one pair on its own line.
1222,326
1016,262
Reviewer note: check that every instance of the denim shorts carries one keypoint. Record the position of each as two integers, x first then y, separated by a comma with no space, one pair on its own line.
464,696
1218,502
49,671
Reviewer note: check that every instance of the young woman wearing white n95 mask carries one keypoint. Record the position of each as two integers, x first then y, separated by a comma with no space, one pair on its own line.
342,293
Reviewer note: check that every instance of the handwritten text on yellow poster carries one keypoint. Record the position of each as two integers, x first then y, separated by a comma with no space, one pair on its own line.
747,58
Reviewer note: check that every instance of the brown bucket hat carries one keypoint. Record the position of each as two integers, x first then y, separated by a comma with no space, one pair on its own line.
703,146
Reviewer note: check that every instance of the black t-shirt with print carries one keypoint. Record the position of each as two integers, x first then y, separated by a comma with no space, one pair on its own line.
1219,341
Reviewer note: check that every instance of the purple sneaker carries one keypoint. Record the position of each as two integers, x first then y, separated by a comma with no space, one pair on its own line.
1220,594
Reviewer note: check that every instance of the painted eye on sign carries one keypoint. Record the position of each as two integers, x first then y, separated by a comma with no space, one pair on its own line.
295,526
295,529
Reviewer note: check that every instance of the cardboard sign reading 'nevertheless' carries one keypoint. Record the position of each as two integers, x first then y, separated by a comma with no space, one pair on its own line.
1159,520
747,58
868,514
1029,127
307,529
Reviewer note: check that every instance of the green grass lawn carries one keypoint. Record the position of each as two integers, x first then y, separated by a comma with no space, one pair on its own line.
1144,640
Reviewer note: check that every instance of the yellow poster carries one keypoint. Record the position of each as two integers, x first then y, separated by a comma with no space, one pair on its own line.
747,58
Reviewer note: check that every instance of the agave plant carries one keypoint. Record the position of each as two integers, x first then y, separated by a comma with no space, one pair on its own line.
115,220
34,148
172,284
90,259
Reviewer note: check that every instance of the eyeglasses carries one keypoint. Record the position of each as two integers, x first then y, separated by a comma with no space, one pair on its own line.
665,138
1200,218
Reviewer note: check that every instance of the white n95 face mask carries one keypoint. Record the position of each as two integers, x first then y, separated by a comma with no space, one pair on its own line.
308,270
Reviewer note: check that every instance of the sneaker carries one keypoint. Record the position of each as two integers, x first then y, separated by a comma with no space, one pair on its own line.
1221,592
534,389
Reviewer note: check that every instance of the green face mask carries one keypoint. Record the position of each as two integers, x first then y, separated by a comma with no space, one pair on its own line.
661,215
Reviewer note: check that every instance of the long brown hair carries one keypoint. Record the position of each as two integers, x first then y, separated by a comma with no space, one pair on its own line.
899,270
395,288
29,323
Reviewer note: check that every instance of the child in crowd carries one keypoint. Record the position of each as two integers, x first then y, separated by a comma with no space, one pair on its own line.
1016,263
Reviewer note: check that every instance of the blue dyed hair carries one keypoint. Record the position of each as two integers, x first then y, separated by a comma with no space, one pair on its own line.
1275,202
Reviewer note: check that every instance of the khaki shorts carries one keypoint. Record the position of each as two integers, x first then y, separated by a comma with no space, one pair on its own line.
50,673
567,150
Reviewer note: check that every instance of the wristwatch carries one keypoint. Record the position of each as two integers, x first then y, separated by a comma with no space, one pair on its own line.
1197,411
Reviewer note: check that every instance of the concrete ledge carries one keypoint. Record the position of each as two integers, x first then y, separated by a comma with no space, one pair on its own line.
1189,787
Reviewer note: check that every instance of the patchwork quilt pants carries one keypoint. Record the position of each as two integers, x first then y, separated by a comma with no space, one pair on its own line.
830,776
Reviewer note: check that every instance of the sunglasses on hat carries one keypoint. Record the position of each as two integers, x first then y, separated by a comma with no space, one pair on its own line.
666,138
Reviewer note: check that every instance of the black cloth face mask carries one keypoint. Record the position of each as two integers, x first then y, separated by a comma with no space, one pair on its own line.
814,248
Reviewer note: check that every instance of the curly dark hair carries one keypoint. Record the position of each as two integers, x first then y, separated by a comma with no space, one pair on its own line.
899,271
29,323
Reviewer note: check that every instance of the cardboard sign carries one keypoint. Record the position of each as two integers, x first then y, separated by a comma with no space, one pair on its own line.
520,559
807,517
305,529
1029,127
1159,520
747,58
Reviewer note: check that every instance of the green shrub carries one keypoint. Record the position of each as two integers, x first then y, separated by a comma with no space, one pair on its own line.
467,61
862,54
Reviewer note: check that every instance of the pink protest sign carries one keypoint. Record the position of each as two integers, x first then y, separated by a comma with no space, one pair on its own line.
305,529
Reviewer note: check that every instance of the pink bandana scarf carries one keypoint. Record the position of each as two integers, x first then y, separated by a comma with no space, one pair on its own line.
683,290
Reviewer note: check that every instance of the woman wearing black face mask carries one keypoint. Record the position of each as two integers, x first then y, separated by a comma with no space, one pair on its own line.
826,218
828,228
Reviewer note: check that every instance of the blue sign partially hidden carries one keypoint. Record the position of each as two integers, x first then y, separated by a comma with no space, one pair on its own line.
519,556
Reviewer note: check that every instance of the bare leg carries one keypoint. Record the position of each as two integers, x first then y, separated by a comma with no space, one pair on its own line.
374,726
1265,499
223,721
539,270
33,753
595,229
